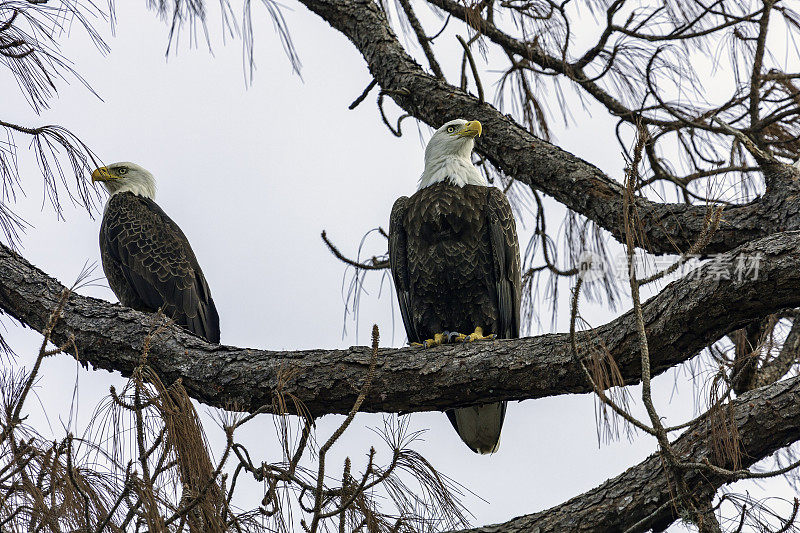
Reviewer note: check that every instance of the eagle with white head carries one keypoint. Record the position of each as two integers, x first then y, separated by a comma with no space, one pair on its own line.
455,260
146,257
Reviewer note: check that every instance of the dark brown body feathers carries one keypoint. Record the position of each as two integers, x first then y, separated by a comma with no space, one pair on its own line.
150,265
455,261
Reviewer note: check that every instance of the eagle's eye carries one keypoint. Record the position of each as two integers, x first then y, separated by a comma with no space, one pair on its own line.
451,129
122,171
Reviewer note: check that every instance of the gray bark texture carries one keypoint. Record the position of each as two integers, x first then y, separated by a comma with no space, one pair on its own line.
581,186
685,317
681,320
767,419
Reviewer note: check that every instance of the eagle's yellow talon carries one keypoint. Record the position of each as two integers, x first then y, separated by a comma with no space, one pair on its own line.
476,336
437,340
448,337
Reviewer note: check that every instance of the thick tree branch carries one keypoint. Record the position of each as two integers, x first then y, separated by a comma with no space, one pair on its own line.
685,317
767,419
572,181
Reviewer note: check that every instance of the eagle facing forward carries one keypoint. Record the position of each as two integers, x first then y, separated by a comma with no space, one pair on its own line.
146,257
455,261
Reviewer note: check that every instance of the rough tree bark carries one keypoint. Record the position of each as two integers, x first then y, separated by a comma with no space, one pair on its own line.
683,318
579,185
111,336
767,419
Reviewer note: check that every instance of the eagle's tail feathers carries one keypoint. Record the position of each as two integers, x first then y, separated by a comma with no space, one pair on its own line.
479,426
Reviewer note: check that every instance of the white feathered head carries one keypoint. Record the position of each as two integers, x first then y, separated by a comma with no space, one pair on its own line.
126,177
448,156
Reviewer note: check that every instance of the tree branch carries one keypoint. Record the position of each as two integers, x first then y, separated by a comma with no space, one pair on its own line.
767,419
775,369
572,181
686,316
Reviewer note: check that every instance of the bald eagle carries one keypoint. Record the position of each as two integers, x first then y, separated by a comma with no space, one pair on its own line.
454,256
147,258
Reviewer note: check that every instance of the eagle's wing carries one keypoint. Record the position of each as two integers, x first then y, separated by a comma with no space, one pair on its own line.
398,261
506,262
158,264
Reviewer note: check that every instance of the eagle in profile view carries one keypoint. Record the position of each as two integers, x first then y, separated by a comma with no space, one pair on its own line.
146,257
454,255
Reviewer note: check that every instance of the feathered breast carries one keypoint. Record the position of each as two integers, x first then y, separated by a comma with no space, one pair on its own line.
444,213
150,265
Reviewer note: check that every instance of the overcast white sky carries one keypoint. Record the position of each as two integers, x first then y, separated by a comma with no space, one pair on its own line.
252,176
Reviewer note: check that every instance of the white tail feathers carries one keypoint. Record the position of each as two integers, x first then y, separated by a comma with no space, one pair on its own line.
479,426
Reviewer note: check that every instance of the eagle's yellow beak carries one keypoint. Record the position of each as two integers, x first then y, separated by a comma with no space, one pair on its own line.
472,129
101,174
